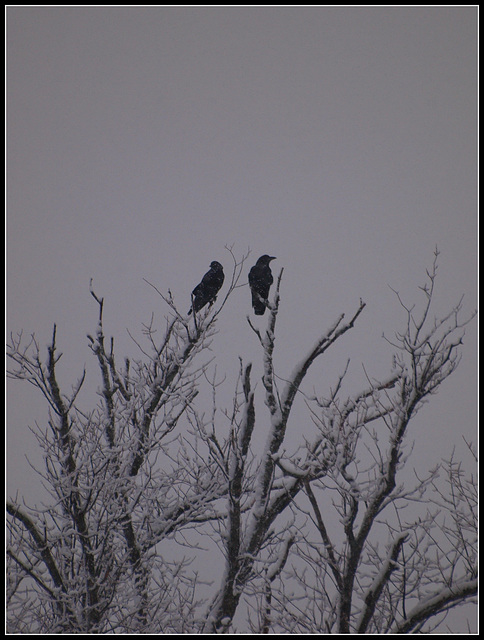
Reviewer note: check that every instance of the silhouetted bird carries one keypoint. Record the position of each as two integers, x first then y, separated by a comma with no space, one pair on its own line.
206,291
260,280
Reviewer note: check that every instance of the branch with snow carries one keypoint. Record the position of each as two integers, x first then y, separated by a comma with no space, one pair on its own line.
442,600
123,481
269,500
373,593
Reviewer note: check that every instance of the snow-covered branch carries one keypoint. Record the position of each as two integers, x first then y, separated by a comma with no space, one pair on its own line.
378,584
269,501
442,600
313,534
115,494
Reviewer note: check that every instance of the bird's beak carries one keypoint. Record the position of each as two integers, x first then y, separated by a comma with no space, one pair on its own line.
272,258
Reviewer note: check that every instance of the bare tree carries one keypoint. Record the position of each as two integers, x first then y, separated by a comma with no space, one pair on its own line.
118,485
315,542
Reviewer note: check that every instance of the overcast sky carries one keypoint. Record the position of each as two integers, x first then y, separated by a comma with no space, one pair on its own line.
142,140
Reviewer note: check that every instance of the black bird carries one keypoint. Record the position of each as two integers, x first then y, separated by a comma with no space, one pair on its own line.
206,291
260,280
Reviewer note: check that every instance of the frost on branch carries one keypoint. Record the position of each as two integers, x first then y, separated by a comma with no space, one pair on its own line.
332,537
121,481
272,495
345,480
365,436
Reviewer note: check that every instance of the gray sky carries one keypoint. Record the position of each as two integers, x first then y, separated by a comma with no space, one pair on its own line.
341,140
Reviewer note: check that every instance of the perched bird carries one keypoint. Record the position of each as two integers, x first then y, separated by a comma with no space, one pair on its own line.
260,280
206,291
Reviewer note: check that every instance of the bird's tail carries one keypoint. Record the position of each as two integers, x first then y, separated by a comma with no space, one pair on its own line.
258,305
